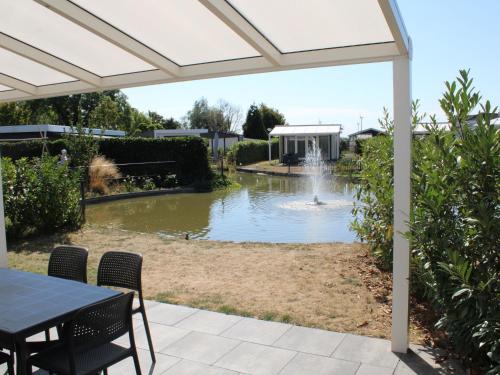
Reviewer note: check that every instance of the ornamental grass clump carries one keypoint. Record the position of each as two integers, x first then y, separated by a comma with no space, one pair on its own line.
102,174
455,219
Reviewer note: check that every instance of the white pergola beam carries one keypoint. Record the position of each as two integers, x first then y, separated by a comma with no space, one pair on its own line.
396,25
252,65
236,22
17,84
99,27
48,60
3,239
402,202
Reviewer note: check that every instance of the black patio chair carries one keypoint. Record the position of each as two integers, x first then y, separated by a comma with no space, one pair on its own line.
6,358
86,346
70,263
123,270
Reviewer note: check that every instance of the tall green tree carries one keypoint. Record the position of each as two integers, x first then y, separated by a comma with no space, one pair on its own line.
163,123
106,115
14,113
254,125
223,117
271,116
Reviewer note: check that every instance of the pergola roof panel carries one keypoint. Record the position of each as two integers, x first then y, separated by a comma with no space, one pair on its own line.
5,88
183,31
293,25
36,25
62,47
26,70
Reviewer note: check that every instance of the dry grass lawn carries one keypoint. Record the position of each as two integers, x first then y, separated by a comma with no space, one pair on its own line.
329,286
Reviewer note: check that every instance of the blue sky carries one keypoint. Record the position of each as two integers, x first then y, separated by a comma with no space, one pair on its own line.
447,35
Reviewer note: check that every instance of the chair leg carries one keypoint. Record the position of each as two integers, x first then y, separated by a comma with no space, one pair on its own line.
47,335
136,362
148,333
10,366
105,371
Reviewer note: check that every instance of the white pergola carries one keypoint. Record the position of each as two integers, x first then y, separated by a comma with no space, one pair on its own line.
60,47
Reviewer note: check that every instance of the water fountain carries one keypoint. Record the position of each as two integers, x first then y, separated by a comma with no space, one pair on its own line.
316,170
314,167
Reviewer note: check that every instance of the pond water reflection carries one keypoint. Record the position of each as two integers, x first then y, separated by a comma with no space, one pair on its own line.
265,209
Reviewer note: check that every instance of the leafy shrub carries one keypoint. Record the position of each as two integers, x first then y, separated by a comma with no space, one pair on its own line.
82,145
374,214
247,152
40,196
148,184
455,221
189,154
349,164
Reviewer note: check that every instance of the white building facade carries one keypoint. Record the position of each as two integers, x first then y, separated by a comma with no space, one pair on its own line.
299,139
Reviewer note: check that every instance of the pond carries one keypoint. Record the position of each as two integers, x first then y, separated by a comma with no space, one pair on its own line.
265,209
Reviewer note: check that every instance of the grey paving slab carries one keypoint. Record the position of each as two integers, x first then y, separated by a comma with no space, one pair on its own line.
201,347
41,335
367,350
425,357
310,340
374,370
168,314
186,367
208,322
161,335
148,303
307,364
257,331
124,340
126,367
424,362
256,359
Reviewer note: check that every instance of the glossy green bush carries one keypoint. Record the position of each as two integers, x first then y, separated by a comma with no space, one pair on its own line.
40,196
455,220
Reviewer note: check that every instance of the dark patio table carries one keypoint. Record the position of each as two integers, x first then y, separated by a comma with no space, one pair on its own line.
31,303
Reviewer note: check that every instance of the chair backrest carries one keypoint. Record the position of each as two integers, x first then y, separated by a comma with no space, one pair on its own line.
69,262
99,323
120,269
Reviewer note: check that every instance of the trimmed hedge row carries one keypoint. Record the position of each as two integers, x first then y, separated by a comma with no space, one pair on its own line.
189,153
248,152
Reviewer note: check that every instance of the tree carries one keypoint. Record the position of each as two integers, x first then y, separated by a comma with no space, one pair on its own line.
162,122
171,123
199,116
231,116
13,114
106,115
271,117
222,118
254,125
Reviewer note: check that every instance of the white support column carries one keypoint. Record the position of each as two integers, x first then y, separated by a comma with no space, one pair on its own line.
402,195
3,241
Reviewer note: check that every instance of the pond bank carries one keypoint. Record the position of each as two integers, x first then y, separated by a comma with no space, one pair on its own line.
276,169
138,194
331,285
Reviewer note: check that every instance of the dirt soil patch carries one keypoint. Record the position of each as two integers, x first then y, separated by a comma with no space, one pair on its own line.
330,286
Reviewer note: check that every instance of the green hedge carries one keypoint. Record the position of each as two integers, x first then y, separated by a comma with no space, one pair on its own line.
189,153
248,152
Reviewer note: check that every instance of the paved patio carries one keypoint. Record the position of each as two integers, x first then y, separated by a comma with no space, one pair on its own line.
190,341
